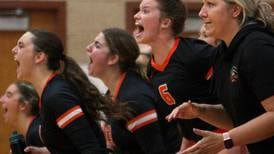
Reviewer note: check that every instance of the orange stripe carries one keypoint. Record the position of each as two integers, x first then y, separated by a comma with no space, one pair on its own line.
161,67
71,120
142,120
141,116
49,79
144,124
117,89
209,73
67,113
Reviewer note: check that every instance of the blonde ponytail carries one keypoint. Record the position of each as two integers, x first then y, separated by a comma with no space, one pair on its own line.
265,14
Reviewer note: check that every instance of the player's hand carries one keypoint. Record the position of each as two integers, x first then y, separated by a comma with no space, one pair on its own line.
186,143
209,144
187,110
36,150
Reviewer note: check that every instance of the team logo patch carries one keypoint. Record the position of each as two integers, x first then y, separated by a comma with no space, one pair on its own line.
234,74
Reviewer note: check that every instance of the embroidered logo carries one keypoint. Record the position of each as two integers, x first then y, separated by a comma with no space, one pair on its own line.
234,74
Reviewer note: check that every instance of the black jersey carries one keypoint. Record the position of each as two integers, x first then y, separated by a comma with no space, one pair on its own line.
182,77
141,134
65,128
244,76
33,137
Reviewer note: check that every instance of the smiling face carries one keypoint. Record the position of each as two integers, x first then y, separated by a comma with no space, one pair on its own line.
218,18
24,56
10,105
98,53
147,22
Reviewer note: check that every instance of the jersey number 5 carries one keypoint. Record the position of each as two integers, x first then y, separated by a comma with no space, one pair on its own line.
166,96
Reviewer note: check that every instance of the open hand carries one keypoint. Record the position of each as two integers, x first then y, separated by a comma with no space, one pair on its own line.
36,150
187,110
209,144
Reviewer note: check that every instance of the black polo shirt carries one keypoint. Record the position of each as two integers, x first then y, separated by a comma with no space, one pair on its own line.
244,77
181,77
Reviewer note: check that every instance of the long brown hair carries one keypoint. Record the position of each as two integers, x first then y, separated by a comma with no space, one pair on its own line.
29,96
92,101
125,46
176,11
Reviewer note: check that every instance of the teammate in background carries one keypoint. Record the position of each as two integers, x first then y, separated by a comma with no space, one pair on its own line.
243,81
70,104
209,39
113,55
178,67
144,56
20,108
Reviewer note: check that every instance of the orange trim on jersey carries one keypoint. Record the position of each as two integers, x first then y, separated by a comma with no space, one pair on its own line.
50,78
69,116
209,73
31,120
118,87
161,67
142,120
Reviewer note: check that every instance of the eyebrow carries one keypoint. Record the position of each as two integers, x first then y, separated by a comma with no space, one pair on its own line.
9,93
145,6
97,42
12,92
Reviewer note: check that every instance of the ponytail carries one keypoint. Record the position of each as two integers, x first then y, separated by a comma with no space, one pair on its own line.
92,101
265,14
257,10
141,70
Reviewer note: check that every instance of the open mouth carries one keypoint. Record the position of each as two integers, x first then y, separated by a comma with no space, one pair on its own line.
90,60
4,109
16,61
207,24
139,29
17,64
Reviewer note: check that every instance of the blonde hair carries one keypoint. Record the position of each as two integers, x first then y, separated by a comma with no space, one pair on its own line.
256,9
